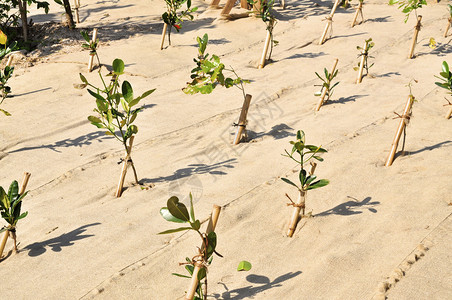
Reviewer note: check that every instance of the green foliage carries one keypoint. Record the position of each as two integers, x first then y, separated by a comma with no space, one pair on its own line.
369,45
209,72
408,6
178,213
450,9
305,153
4,89
446,78
327,83
244,266
266,15
174,18
115,104
10,205
90,45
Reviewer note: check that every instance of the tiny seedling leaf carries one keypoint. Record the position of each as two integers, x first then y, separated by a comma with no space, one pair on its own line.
164,212
177,209
244,266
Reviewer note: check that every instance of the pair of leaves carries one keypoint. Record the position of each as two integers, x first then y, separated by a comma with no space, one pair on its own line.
446,77
11,203
177,212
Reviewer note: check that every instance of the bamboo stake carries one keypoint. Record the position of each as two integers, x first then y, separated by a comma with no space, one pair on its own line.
165,28
283,4
24,183
299,205
228,7
325,90
402,125
10,60
125,164
264,53
241,126
244,4
198,265
361,64
91,57
449,114
3,242
417,28
359,10
329,20
448,26
76,6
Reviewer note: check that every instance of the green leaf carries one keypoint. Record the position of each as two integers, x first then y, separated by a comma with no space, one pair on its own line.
196,225
164,212
5,112
23,215
94,119
192,210
83,33
180,275
302,176
96,95
13,191
175,230
127,91
201,274
289,182
211,243
177,209
318,184
244,266
83,78
101,105
125,106
118,66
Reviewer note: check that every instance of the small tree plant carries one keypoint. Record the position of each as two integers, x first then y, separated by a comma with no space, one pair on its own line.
177,212
6,74
307,181
174,18
446,83
10,209
91,45
449,20
327,84
363,63
116,111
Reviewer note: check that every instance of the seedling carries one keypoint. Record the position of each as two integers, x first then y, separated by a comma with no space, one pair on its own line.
329,24
404,120
7,72
264,11
173,18
446,83
209,73
408,6
327,85
363,64
197,266
449,20
10,209
359,11
91,45
307,182
117,122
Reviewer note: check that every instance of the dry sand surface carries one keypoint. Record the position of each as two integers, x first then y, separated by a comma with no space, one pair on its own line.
376,232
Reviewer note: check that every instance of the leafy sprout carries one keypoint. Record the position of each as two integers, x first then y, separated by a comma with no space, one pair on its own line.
365,53
90,45
10,206
408,6
4,89
327,83
265,13
174,18
209,73
446,78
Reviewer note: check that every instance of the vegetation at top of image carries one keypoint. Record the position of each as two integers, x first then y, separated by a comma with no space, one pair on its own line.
109,101
305,153
264,11
327,83
365,52
174,18
177,212
408,6
209,72
90,45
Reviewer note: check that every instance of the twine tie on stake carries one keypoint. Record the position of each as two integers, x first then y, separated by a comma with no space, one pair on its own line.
330,21
293,203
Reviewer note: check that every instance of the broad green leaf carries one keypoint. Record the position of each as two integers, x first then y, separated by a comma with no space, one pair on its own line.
164,212
127,91
175,230
101,105
196,225
96,95
13,191
94,119
83,78
318,184
180,275
177,209
302,176
244,266
201,274
289,182
125,106
118,66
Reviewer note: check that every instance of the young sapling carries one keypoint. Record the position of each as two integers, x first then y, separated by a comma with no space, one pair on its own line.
359,11
329,24
449,20
197,266
7,72
363,64
327,85
446,83
91,45
307,181
10,209
209,73
173,18
408,6
117,122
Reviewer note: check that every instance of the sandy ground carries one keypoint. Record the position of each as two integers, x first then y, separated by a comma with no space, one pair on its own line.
376,232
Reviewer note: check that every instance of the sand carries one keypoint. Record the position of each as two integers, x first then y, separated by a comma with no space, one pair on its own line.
376,231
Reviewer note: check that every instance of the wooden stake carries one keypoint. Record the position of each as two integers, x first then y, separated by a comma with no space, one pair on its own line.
402,125
165,28
448,26
417,28
10,60
322,98
23,187
215,3
244,4
283,4
329,21
241,126
228,7
449,114
359,10
3,242
264,53
125,164
198,265
91,57
76,7
361,64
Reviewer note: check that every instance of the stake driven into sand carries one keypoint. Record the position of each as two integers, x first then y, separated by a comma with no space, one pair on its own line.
91,55
300,205
449,21
165,28
359,11
10,60
361,64
264,53
125,164
241,125
449,114
329,21
417,28
325,90
403,122
228,7
8,232
76,7
198,265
